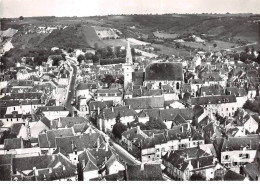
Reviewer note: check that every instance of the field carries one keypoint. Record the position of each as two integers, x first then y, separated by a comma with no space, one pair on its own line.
170,51
221,45
81,34
90,36
116,42
165,35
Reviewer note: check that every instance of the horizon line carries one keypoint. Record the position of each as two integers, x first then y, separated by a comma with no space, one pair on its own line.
132,14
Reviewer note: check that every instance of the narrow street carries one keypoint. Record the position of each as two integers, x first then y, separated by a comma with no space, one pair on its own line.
71,88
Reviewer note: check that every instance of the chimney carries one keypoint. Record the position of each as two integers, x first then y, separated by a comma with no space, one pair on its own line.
129,106
35,171
182,129
188,126
105,159
138,131
50,170
198,163
83,164
63,168
112,109
142,166
107,143
204,93
98,143
98,110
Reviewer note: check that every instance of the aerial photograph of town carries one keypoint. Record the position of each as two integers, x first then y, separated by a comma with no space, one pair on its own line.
130,90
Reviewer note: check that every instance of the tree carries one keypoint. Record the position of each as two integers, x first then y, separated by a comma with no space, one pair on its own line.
89,56
80,58
120,80
177,45
197,177
108,79
215,45
119,127
21,18
247,49
56,60
155,123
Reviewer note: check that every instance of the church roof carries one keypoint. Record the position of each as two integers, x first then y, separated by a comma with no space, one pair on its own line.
164,71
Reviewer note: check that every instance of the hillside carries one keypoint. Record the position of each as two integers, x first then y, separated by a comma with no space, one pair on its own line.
91,37
65,38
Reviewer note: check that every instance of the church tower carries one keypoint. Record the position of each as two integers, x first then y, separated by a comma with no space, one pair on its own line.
128,67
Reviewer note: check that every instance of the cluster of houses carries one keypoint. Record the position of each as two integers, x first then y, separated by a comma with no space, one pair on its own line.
187,96
199,100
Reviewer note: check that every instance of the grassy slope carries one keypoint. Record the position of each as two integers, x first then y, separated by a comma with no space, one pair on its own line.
68,37
91,37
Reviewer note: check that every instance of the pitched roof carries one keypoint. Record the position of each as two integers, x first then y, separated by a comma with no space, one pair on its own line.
164,71
49,139
233,176
150,172
114,111
101,155
90,161
253,170
138,78
27,163
145,103
238,143
94,105
5,172
46,121
52,108
6,159
16,128
15,143
70,121
84,86
213,99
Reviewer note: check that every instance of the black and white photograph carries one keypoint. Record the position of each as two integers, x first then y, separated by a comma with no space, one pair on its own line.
130,90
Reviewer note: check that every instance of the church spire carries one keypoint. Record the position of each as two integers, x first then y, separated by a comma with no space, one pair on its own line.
129,59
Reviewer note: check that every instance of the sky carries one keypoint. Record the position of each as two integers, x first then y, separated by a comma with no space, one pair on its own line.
31,8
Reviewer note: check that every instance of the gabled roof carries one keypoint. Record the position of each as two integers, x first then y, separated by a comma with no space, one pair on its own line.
67,144
179,120
169,114
90,161
101,155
